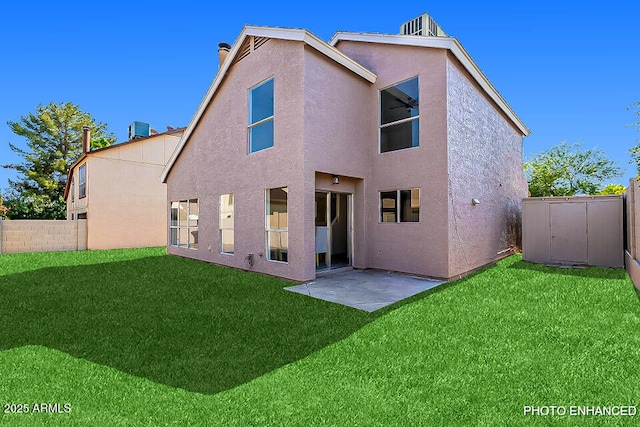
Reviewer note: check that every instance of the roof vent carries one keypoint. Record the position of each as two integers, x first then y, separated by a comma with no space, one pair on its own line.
139,130
423,25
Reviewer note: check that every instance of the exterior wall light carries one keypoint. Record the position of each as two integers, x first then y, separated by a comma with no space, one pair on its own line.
475,202
336,180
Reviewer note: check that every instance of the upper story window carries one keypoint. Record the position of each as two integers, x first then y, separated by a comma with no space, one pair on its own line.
72,191
82,181
399,112
261,116
400,205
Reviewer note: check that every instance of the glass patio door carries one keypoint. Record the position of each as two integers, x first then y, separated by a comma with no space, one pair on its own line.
333,230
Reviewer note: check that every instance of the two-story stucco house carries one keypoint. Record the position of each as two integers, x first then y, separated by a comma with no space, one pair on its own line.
117,189
371,151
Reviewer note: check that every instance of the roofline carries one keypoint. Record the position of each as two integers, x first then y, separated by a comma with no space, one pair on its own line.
321,46
70,174
290,34
143,138
452,45
119,144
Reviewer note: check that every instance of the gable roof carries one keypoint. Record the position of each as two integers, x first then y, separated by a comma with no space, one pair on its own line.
274,33
454,46
83,156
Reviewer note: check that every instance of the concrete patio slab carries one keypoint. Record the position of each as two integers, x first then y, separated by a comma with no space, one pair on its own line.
367,290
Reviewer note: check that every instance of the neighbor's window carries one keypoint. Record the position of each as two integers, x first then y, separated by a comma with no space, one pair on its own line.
183,224
400,205
82,181
71,190
261,116
277,224
399,122
226,223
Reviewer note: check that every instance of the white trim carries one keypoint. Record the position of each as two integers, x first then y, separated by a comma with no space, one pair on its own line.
452,45
274,33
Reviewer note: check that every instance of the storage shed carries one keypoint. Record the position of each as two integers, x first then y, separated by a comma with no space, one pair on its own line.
579,230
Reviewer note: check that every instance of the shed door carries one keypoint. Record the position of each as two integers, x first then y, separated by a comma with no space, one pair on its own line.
568,232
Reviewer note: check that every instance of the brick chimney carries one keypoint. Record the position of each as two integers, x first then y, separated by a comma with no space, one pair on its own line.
223,51
86,139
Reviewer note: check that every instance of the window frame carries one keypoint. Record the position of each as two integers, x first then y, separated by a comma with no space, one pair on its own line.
397,122
82,181
254,125
268,228
189,228
398,207
222,229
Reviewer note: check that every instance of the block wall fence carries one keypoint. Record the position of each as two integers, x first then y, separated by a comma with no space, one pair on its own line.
42,236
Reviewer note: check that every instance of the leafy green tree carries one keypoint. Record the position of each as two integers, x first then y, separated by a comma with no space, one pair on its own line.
635,151
54,141
3,209
612,189
567,170
33,207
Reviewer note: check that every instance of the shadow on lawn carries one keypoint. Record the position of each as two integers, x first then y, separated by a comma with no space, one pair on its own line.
175,321
596,272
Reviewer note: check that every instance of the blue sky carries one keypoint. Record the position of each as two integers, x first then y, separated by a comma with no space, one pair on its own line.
569,69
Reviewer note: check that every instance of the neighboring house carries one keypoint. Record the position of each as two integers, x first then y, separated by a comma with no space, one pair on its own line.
374,151
117,189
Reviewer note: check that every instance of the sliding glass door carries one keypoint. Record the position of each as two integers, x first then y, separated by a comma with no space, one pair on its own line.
333,230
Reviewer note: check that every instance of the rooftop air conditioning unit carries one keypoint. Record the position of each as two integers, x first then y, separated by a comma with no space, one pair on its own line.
423,25
139,130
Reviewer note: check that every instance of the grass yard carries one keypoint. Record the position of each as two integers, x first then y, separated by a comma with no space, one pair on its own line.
135,337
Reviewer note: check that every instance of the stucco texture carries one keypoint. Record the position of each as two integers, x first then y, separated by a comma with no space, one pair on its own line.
485,163
216,161
325,125
412,247
125,199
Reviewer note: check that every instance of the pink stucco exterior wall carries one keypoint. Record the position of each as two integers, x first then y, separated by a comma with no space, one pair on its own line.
485,163
337,140
326,123
418,247
215,161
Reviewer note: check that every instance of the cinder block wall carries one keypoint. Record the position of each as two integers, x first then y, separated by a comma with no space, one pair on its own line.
42,236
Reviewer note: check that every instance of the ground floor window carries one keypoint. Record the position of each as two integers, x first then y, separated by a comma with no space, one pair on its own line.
277,228
400,205
183,225
226,223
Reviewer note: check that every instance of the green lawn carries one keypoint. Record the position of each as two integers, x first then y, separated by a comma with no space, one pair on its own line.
134,337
